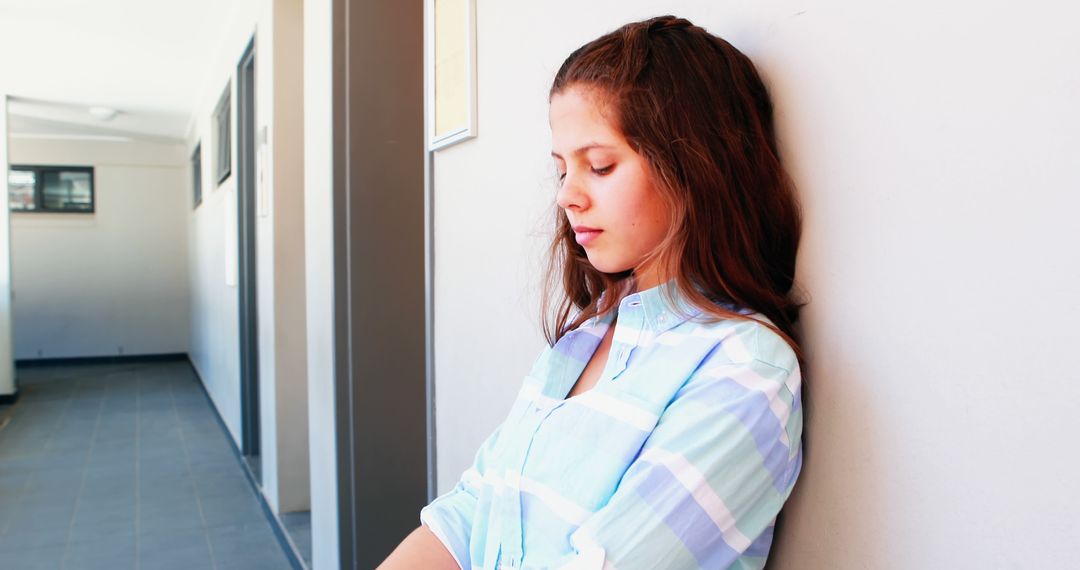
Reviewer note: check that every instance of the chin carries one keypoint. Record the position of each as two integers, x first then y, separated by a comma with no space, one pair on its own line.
608,266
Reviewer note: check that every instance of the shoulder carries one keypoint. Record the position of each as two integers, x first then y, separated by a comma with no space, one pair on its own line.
751,371
748,342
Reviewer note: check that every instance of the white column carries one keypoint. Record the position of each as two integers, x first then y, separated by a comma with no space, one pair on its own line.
7,363
319,262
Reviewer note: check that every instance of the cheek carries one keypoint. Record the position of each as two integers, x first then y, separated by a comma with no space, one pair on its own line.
650,214
634,201
659,225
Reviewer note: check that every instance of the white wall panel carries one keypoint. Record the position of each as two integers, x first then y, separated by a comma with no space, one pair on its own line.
112,282
934,148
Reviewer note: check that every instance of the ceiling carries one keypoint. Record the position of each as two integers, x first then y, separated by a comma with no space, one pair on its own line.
144,58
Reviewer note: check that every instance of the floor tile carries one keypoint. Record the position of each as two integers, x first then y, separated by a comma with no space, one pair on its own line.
101,529
298,525
20,538
46,558
178,549
120,562
108,547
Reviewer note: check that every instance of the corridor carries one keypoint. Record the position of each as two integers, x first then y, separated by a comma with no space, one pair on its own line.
124,466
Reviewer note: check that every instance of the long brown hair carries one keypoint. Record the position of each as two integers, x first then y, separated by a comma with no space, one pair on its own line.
695,108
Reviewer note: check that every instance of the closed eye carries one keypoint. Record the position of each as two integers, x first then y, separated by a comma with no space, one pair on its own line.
603,170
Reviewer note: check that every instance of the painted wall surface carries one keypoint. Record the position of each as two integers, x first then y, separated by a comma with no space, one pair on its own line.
276,26
215,335
114,281
8,385
319,286
283,369
934,149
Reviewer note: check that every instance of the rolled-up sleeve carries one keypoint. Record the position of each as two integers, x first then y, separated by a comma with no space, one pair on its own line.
709,481
450,516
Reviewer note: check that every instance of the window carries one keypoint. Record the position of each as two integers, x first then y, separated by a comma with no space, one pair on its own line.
223,136
196,173
51,189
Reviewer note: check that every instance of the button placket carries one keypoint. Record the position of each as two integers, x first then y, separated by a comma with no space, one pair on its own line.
513,540
630,316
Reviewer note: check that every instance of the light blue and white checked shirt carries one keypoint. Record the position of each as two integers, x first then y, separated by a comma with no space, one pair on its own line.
680,457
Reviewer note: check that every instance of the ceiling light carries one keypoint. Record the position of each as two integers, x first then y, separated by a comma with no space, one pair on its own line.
104,113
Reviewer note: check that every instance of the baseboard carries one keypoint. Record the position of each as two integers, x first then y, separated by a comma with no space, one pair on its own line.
6,399
116,359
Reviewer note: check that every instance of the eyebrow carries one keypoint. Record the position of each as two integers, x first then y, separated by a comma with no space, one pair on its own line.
583,149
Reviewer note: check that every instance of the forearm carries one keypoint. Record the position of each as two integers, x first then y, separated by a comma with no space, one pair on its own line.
421,549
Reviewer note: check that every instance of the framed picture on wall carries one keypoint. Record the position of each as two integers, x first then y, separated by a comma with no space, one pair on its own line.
450,30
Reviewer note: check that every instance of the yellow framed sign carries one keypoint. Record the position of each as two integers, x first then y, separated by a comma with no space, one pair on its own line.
450,27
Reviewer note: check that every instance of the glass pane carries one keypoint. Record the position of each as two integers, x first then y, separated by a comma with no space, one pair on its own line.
224,147
21,189
223,136
66,190
196,173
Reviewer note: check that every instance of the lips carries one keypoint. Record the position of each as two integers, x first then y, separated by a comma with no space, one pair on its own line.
584,234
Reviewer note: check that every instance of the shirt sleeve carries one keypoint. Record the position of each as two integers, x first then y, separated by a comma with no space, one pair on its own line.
450,516
706,488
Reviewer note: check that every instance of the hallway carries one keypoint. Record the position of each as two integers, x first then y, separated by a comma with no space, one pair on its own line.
124,466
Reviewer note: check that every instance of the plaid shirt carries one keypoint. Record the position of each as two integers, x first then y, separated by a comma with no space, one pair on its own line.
681,456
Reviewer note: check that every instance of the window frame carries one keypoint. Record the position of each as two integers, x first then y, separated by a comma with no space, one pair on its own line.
223,130
39,188
196,175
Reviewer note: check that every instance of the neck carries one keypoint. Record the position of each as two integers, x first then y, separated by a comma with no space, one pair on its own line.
647,278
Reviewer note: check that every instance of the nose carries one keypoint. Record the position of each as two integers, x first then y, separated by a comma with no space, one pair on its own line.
571,194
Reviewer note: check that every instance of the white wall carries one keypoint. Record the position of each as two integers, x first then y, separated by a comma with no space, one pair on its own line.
114,281
282,322
319,255
215,333
277,26
934,147
7,360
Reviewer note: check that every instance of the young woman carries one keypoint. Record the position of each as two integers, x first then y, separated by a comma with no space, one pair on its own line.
662,427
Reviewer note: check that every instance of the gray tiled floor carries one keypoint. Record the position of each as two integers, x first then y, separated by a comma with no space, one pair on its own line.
298,525
124,466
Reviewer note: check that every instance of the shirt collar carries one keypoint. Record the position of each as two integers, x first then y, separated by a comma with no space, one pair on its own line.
664,306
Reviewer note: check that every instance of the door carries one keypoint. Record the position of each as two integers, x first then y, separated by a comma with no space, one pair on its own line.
246,281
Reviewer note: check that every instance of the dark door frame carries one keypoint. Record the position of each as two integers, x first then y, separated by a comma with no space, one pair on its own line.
247,276
381,293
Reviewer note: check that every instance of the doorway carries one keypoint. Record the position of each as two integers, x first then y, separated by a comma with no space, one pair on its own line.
247,275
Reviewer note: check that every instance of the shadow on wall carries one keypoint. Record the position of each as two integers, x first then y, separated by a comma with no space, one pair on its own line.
841,442
832,519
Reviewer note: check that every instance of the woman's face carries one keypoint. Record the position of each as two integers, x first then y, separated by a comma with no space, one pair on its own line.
605,188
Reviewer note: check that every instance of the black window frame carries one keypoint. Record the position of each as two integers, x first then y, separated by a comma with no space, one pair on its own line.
196,174
223,135
39,188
